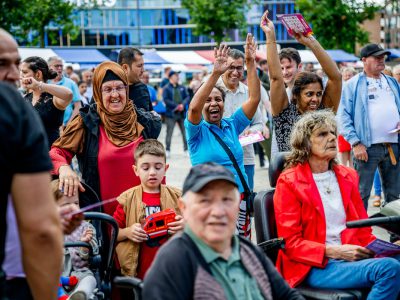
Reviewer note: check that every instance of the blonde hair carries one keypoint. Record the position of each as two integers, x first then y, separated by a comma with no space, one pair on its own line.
300,138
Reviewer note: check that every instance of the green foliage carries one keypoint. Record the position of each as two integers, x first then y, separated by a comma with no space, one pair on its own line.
214,18
336,23
21,17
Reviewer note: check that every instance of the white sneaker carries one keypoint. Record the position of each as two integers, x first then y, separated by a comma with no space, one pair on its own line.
168,153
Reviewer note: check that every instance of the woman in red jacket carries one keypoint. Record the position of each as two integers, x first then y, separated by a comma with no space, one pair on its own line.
314,199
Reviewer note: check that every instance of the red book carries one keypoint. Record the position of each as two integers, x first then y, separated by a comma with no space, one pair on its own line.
295,21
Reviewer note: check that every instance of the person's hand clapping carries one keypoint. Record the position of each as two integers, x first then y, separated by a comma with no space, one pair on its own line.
69,181
70,221
136,233
221,59
267,26
348,252
30,83
176,226
250,48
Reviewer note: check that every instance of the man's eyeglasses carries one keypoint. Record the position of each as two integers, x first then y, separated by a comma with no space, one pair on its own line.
239,69
119,89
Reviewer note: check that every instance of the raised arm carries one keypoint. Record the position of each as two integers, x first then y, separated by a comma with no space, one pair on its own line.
62,95
201,96
332,93
278,96
250,50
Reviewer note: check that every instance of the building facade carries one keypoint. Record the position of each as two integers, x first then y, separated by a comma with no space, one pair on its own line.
157,23
391,24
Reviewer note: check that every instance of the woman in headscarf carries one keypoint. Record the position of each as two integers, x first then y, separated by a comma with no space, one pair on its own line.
103,137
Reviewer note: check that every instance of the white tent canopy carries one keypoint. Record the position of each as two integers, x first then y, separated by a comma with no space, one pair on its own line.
183,57
41,52
307,56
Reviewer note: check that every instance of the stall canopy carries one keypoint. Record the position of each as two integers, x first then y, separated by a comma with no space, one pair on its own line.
207,54
86,58
341,56
41,52
183,57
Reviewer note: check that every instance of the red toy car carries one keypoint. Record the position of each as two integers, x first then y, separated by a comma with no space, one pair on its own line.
156,225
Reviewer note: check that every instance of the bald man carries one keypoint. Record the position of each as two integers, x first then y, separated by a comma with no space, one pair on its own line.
25,166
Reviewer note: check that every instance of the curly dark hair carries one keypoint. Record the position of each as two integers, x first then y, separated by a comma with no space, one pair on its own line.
37,63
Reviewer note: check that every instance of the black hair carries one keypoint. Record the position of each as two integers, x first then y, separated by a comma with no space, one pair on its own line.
37,63
80,82
127,55
301,80
290,54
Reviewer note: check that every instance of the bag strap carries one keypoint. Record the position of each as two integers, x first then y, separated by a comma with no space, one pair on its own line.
233,160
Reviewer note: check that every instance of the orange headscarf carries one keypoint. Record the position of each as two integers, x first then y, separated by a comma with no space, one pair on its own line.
121,128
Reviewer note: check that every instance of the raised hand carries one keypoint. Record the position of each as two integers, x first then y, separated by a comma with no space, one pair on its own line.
266,24
250,48
304,40
221,59
30,83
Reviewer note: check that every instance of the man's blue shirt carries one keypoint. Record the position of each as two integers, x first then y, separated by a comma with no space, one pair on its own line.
76,97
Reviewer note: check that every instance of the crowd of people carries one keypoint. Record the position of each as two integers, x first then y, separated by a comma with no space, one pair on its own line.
98,130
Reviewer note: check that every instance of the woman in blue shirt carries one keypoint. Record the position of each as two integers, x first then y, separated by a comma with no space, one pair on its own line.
205,115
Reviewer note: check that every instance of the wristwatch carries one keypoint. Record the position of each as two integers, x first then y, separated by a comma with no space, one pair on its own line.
356,144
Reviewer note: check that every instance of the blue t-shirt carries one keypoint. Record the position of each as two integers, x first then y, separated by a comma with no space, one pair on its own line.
76,97
203,147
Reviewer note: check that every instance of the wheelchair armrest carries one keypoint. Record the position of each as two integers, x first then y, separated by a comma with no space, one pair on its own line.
128,282
277,243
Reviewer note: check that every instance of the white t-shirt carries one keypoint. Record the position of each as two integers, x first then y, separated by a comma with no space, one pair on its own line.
335,216
383,114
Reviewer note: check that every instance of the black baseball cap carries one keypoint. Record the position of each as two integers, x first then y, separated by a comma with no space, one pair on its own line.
172,73
373,50
202,174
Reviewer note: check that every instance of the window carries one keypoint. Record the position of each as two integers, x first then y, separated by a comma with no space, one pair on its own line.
159,223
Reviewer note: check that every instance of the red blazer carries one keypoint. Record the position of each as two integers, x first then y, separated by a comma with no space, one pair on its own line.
300,220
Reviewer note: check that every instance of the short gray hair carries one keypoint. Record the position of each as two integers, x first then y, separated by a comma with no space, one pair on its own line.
301,133
53,58
236,54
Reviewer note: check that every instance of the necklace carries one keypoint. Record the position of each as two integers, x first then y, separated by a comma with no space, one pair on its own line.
328,188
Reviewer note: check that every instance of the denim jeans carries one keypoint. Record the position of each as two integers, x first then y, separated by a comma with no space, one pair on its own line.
249,169
377,184
378,157
381,274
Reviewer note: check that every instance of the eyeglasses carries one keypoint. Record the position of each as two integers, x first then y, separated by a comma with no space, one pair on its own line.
109,90
233,68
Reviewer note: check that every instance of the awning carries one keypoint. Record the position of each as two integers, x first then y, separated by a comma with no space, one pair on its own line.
183,57
341,56
150,57
395,53
86,58
307,56
41,52
206,54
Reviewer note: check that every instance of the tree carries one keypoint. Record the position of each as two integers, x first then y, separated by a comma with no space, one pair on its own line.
214,18
24,17
336,23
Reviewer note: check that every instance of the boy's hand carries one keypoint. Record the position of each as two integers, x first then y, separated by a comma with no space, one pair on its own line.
136,233
176,226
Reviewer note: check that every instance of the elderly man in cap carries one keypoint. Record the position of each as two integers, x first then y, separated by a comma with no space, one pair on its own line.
369,115
208,261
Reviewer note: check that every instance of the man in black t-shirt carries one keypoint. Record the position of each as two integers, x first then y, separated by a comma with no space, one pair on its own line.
24,173
131,60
